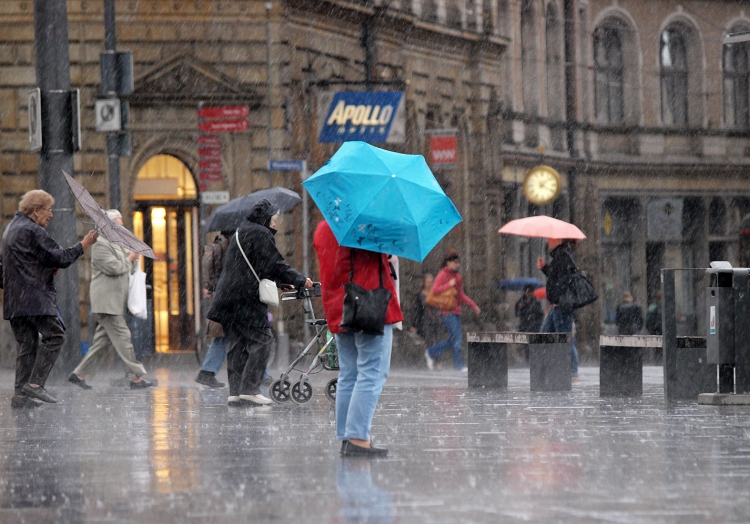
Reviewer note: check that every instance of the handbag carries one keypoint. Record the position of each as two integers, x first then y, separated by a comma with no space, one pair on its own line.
580,292
267,290
137,302
365,311
446,300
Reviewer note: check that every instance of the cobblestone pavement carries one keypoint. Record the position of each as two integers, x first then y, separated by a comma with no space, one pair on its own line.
177,454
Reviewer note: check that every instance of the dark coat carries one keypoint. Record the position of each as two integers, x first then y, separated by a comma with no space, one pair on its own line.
30,258
629,318
558,271
236,300
531,315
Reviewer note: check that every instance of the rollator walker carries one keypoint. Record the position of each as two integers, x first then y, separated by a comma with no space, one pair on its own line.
326,356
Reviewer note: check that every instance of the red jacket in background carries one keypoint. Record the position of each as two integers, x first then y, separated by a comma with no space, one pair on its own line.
442,283
335,265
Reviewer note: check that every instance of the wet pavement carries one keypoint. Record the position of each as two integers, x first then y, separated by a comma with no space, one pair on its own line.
177,454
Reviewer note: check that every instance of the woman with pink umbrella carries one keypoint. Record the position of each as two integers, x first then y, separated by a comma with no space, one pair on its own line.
560,235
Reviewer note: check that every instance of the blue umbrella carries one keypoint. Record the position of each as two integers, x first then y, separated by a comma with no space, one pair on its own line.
517,284
382,201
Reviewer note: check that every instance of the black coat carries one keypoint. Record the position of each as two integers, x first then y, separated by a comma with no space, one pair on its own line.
531,315
629,318
236,300
558,271
30,258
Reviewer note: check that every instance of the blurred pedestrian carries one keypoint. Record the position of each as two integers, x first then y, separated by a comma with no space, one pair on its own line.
31,259
427,321
629,316
213,264
653,315
237,306
559,272
529,311
111,266
448,278
364,359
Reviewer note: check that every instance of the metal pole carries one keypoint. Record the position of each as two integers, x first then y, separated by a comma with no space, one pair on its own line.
669,332
305,236
570,102
109,75
269,5
53,79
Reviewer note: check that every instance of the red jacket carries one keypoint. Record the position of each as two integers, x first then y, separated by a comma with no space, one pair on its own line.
335,265
442,283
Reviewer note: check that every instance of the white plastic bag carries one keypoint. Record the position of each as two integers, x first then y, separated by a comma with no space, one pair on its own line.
137,304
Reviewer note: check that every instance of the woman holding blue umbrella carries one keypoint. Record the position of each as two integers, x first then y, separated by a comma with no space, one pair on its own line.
448,278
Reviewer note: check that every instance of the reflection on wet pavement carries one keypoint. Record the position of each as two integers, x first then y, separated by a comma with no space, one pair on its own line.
177,454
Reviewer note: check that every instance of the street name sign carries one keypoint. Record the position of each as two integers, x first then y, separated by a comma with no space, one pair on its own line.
215,197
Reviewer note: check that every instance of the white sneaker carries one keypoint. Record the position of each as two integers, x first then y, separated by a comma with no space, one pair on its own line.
257,399
234,401
464,369
429,360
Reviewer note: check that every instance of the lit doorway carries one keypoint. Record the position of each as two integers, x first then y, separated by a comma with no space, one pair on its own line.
166,218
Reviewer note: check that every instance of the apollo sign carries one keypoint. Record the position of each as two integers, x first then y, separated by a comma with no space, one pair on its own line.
369,116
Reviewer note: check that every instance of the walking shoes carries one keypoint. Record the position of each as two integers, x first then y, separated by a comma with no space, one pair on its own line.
73,379
256,400
429,360
350,450
207,378
39,393
143,384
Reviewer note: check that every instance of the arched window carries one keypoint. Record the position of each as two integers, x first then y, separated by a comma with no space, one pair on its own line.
674,77
430,10
554,62
736,73
608,75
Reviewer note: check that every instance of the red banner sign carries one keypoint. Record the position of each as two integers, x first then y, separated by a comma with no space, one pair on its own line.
225,112
209,153
210,165
223,126
210,141
210,175
443,150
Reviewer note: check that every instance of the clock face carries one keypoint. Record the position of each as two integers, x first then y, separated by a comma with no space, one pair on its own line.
541,185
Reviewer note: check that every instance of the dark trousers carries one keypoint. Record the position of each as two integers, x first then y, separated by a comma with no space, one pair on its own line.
247,356
36,357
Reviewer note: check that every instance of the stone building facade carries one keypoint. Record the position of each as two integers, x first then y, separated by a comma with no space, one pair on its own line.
636,103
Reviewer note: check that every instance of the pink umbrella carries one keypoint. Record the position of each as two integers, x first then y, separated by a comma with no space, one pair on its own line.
542,226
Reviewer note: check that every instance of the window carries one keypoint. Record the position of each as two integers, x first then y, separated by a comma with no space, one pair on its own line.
608,75
555,71
453,15
736,85
674,78
430,10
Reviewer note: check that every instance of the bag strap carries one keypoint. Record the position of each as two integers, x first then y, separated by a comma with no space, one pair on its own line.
237,238
351,272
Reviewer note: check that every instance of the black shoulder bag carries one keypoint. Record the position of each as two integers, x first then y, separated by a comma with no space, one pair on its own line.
365,311
580,292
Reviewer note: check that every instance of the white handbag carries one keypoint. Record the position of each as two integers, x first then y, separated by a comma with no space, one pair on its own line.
269,293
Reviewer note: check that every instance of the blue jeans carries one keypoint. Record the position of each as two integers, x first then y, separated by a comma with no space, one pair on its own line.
364,362
453,324
559,321
215,356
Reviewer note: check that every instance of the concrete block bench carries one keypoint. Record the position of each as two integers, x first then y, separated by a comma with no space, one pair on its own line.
621,366
549,359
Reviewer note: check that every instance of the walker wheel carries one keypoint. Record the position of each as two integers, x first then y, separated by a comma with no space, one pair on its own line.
280,391
301,392
331,389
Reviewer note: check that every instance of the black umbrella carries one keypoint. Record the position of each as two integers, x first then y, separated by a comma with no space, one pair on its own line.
233,214
113,231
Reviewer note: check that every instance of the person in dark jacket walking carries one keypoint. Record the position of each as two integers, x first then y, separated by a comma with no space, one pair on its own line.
629,316
237,307
559,271
31,259
529,311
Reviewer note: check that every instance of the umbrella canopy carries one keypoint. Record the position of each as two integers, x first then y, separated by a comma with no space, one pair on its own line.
115,233
542,226
234,213
517,284
382,201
